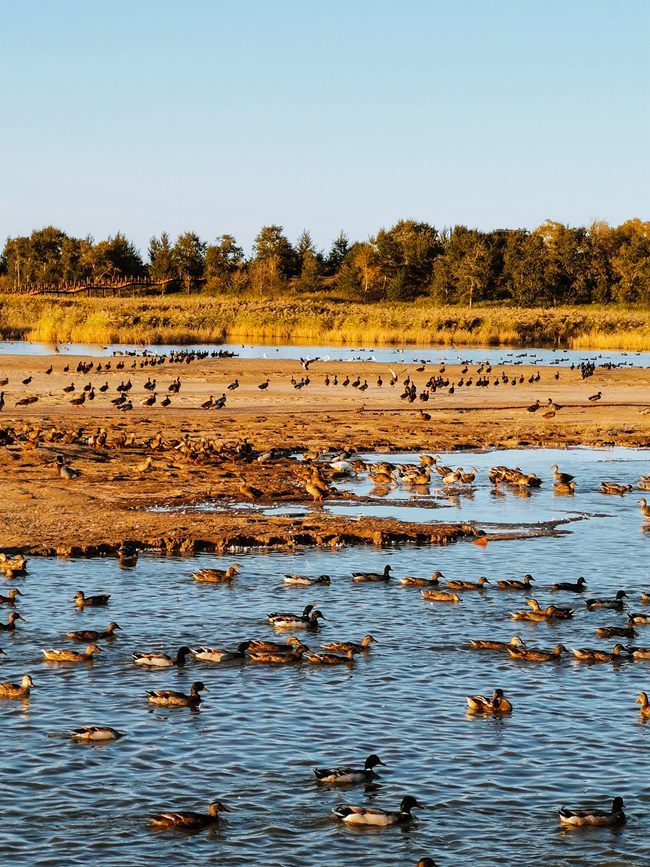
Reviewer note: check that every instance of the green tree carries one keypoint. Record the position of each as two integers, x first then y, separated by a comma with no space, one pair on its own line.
222,261
189,258
162,266
337,253
271,244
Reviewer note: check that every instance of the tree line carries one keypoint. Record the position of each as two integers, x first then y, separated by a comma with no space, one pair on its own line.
553,264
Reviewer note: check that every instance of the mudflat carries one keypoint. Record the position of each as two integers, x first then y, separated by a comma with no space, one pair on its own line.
243,455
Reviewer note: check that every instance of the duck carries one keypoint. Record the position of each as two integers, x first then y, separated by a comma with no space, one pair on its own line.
426,862
307,620
92,634
562,478
613,488
305,581
639,618
81,600
532,655
278,657
257,645
645,508
615,604
346,646
440,596
564,487
329,658
581,818
639,652
481,644
188,820
10,625
216,576
161,660
17,690
171,698
497,704
344,775
615,631
516,585
642,699
215,654
556,611
579,586
100,734
72,655
413,581
645,598
10,600
468,585
16,565
588,654
375,816
373,576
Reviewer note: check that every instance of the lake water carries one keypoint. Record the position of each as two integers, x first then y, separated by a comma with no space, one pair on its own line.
410,355
490,786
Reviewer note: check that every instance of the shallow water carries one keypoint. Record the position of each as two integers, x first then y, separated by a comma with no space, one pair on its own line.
410,355
490,786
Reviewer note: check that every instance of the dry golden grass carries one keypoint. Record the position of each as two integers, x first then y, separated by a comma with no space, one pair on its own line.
203,319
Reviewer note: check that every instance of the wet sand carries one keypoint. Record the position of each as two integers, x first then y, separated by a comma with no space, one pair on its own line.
42,512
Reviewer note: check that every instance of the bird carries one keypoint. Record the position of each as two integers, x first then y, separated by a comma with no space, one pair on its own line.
642,699
564,487
645,508
264,385
72,655
10,600
516,585
17,690
10,626
81,600
345,774
483,644
468,585
172,698
618,631
579,586
304,580
563,478
440,596
329,658
346,646
588,654
414,581
216,576
615,604
215,654
188,820
497,704
162,660
375,816
594,397
100,734
92,634
307,620
373,576
571,818
533,655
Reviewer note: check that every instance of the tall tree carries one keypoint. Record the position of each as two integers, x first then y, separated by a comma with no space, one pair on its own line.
162,266
189,258
271,244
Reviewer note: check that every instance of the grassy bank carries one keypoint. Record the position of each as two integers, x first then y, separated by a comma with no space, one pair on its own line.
200,319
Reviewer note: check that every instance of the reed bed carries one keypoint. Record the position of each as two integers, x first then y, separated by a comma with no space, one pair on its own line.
202,319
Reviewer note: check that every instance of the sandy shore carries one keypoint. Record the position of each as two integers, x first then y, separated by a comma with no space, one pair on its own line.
108,502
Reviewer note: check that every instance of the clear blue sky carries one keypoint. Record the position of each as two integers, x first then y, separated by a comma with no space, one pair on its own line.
220,116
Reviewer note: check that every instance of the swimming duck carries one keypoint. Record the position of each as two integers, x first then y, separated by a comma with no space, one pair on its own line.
613,488
426,862
216,576
215,654
92,634
10,600
468,585
95,733
81,600
375,816
556,611
372,576
257,645
564,487
162,660
296,621
17,690
278,657
171,698
497,704
440,596
642,699
588,654
413,581
532,655
616,631
346,646
479,644
639,652
639,618
645,598
344,774
329,658
581,818
305,581
615,604
516,585
189,820
72,655
645,508
10,626
16,565
578,587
